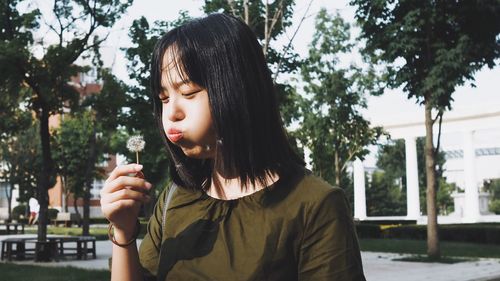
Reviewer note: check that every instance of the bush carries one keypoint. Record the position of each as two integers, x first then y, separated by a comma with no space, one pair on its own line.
414,232
98,221
17,211
473,233
495,206
368,230
52,213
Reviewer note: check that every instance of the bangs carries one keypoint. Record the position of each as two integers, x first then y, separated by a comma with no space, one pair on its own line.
172,60
173,57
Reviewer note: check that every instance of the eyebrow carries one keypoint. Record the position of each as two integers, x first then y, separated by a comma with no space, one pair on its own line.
178,84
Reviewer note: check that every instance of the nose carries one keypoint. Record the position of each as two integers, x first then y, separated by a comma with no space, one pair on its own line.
174,110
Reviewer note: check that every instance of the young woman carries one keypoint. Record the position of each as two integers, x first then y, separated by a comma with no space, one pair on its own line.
242,206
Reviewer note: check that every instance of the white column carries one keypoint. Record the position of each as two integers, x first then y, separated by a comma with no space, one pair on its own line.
63,201
412,194
359,190
471,208
15,196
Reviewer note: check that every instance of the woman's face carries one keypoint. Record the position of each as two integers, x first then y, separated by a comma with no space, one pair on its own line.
186,115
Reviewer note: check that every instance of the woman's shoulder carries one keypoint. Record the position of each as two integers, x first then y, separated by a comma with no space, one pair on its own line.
312,188
312,194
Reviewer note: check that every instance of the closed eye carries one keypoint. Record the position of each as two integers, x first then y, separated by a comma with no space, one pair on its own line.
191,94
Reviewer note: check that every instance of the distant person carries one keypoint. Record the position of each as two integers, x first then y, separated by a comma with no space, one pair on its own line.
34,209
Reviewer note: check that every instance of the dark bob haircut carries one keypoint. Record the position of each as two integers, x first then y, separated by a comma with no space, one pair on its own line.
221,54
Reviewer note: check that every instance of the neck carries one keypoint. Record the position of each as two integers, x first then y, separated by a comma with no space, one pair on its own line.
232,187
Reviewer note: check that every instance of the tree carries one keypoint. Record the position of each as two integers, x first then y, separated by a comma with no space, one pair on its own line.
384,196
76,26
13,124
15,34
21,156
105,116
85,136
430,48
492,186
332,125
391,159
73,151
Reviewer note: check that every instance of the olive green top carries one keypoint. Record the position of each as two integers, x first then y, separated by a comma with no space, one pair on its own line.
299,228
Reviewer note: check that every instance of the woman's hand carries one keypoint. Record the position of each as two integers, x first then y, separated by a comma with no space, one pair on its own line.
122,196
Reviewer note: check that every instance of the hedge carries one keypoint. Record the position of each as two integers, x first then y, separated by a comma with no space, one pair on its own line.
471,233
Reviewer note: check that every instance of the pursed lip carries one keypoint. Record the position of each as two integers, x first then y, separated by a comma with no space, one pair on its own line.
174,135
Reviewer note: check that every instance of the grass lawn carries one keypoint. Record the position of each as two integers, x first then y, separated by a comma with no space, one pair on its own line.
99,233
16,272
449,249
73,231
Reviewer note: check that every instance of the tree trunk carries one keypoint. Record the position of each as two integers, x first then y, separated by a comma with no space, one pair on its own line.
43,187
89,175
64,194
266,30
430,169
75,205
9,200
337,169
86,211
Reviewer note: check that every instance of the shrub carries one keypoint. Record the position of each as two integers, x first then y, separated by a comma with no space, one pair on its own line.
472,233
17,211
368,230
415,232
99,221
495,206
52,213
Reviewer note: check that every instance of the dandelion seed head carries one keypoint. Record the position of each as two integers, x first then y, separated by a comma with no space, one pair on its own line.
136,143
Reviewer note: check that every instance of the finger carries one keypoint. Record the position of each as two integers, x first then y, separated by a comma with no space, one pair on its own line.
124,204
126,181
123,170
126,194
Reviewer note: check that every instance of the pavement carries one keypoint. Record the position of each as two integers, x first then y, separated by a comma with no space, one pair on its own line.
377,266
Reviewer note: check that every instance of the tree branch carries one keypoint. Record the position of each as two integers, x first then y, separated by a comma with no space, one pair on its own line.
349,157
268,30
440,116
246,11
285,50
231,6
276,16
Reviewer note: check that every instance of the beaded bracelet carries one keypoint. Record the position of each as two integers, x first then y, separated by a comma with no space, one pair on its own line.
112,236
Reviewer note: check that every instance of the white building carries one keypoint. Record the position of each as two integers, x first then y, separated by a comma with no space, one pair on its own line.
471,140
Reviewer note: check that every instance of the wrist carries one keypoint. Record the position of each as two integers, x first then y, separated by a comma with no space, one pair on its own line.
121,237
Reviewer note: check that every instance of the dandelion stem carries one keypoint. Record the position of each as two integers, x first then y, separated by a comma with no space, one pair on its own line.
137,156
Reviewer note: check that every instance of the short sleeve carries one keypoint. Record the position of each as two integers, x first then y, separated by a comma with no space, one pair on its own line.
149,250
329,248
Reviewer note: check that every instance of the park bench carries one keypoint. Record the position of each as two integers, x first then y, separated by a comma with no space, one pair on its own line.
15,249
61,246
13,227
67,219
79,246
